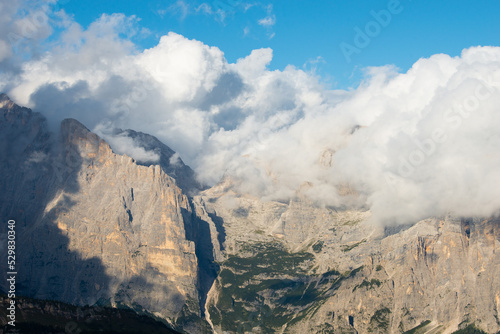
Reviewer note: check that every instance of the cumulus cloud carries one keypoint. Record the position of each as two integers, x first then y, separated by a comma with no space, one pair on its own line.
404,145
123,144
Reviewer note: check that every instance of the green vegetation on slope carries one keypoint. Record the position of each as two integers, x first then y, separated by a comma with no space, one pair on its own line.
270,289
471,329
347,248
419,328
380,320
368,284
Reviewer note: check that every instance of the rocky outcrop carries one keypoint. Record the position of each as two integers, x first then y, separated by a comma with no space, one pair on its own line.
297,268
95,227
169,161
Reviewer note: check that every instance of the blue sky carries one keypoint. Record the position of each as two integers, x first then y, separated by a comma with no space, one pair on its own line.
309,34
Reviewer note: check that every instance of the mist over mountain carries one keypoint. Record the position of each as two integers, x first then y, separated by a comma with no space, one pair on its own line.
95,227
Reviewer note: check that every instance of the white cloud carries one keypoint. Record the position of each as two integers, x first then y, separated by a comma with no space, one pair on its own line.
182,67
406,145
205,9
22,25
122,144
5,50
268,21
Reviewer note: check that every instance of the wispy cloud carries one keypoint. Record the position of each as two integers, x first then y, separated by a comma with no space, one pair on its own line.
179,8
205,9
311,65
268,21
246,31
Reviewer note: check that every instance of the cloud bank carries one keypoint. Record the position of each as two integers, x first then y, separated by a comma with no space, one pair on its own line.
404,145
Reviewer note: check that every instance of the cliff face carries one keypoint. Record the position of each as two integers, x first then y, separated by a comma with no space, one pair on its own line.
296,268
170,162
131,218
96,227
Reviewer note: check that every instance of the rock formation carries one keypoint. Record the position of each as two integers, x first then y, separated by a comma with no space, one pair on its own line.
296,268
97,228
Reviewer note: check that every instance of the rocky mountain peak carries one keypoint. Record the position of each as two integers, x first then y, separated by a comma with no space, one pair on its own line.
22,131
4,99
97,227
169,160
13,113
75,135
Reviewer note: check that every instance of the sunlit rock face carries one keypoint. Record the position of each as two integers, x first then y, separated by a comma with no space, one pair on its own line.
94,226
298,268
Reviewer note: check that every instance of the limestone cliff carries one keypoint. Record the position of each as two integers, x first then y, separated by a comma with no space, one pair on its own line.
170,162
94,226
297,268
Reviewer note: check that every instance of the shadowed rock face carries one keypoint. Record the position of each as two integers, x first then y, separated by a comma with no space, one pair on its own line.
43,316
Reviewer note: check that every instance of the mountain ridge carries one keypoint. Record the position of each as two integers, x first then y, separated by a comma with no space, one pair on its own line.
97,227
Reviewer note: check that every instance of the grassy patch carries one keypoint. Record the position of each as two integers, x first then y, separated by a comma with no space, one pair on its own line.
347,248
271,288
416,330
380,320
318,246
368,284
352,222
471,329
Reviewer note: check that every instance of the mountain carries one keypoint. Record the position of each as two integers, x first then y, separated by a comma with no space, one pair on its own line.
98,228
296,268
169,161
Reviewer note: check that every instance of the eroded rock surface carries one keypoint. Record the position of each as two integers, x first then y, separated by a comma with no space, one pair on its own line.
296,268
96,227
